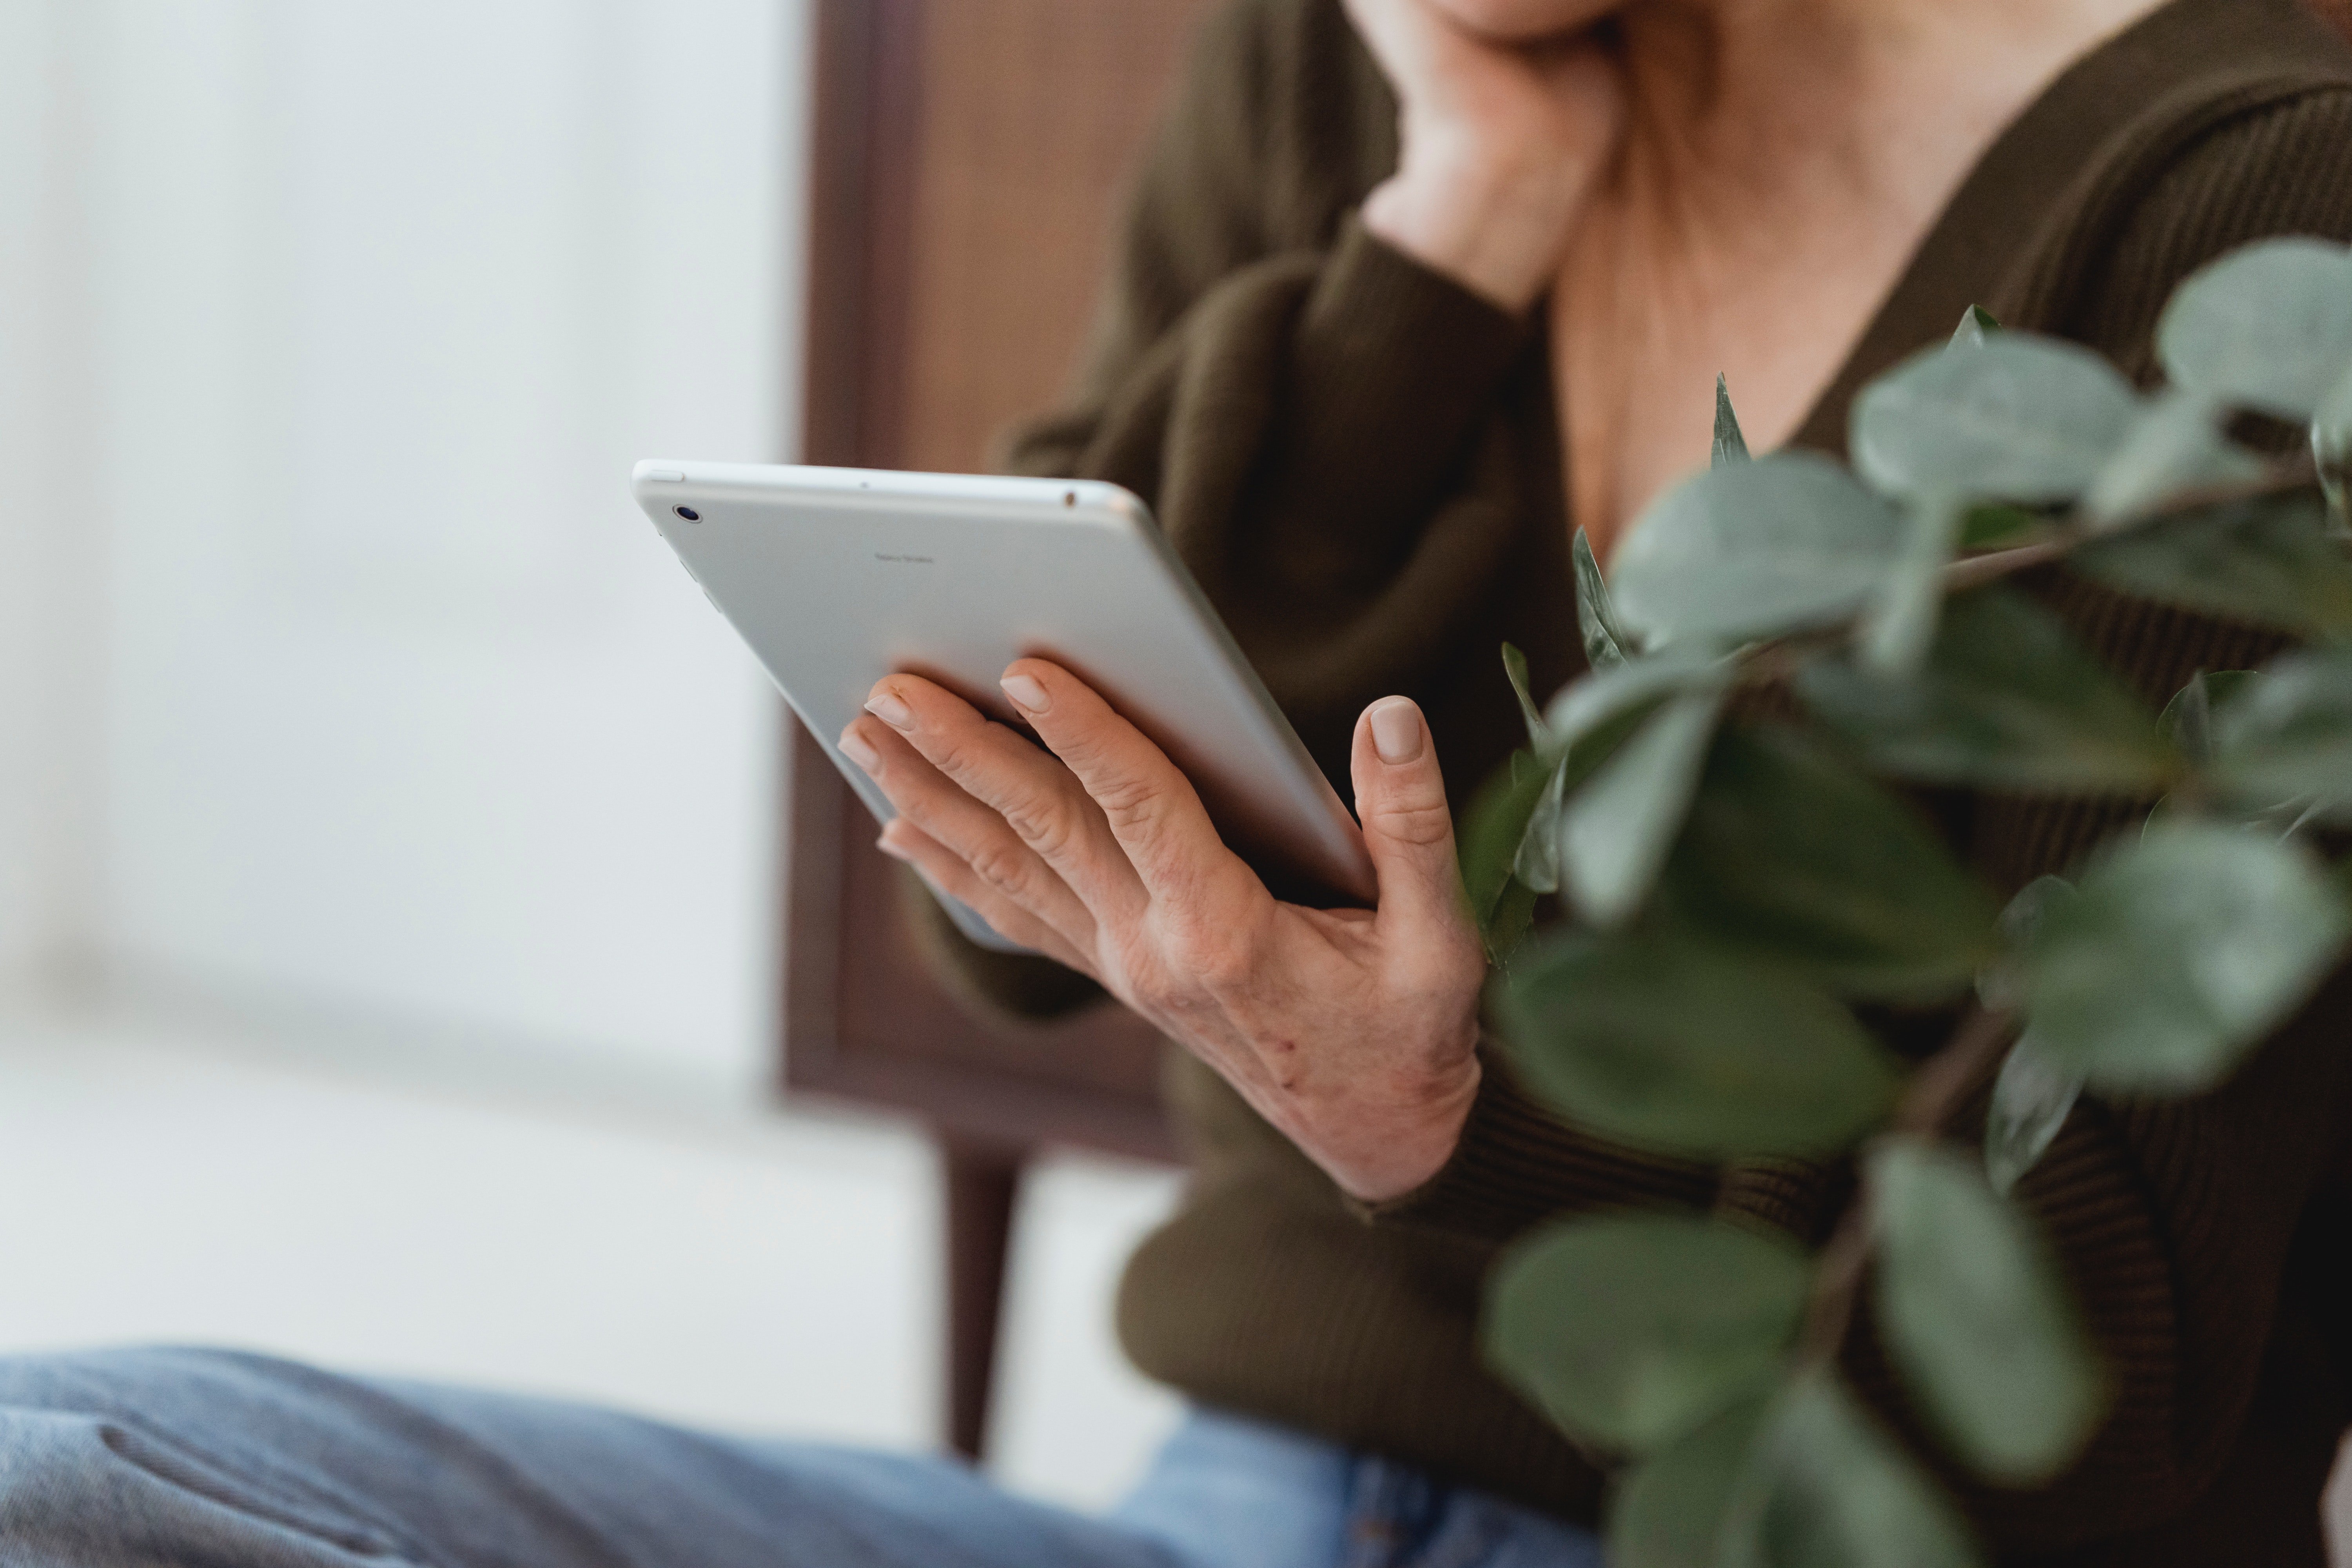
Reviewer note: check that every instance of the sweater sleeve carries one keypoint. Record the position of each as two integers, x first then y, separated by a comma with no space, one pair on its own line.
1240,375
1517,1163
2284,168
1243,370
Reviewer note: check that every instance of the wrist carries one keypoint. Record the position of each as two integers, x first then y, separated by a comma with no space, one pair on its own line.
1495,224
1406,1150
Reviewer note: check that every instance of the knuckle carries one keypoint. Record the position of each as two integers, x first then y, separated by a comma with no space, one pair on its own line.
1217,958
951,754
1132,951
1076,744
1419,823
1131,804
1040,817
1003,867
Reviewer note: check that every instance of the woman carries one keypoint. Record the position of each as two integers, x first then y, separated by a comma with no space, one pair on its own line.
1407,288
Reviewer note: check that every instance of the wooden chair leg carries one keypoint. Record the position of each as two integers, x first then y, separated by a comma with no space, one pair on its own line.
982,1182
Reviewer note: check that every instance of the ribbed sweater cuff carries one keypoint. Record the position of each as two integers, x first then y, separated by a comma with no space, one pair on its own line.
1517,1163
1378,320
1392,366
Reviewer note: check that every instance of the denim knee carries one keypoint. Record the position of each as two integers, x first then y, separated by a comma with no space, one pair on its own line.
87,1482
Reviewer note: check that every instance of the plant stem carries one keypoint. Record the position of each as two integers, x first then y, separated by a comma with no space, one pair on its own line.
1965,1065
1975,571
1938,1089
1776,660
2283,478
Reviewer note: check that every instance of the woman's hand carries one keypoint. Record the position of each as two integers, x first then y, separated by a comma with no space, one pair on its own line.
1503,140
1350,1030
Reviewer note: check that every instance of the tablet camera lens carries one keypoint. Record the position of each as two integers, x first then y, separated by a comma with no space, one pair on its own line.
688,513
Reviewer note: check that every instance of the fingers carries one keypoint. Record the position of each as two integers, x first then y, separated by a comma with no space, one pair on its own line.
953,875
980,840
1148,805
1408,828
1024,788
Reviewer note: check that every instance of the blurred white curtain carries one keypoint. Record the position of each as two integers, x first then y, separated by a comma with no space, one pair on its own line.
337,669
47,568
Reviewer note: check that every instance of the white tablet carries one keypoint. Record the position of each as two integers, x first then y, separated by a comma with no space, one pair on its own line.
836,577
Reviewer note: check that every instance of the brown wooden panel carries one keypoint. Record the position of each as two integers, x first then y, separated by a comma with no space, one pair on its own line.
969,159
1034,112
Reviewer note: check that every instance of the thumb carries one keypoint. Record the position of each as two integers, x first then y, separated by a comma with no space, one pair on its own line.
1408,828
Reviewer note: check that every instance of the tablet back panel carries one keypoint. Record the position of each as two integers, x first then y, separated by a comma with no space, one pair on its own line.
836,577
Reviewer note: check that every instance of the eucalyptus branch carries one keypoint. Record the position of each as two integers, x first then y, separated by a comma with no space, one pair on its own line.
1944,1082
1774,659
1795,882
1965,1066
1976,571
1773,662
2075,530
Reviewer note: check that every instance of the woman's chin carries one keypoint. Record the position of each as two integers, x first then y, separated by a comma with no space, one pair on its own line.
1524,21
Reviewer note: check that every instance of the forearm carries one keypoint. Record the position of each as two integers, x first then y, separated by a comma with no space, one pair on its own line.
1494,223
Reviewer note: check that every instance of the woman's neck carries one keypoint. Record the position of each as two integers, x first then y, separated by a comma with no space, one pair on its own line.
1781,162
1740,106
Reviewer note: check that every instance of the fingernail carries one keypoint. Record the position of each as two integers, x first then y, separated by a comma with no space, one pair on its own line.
1026,694
891,711
1396,731
853,746
892,850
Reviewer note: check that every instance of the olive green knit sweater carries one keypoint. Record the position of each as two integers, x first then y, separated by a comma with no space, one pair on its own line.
1359,460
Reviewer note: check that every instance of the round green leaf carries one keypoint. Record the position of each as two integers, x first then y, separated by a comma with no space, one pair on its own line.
2188,720
2286,734
2270,562
1899,625
2175,444
1976,1317
1631,1330
2267,328
1615,832
1792,856
1515,669
1749,549
1731,446
1671,1046
1841,1494
2007,701
2186,947
2030,1101
1977,324
1493,826
1588,722
1685,1506
2331,439
1537,864
2017,418
2000,985
1590,705
1606,642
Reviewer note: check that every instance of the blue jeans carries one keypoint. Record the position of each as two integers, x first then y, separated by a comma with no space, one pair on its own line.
211,1459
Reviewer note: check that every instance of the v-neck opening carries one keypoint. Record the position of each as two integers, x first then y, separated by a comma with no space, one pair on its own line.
2014,190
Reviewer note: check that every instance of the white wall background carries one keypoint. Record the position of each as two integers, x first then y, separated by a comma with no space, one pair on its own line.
48,564
371,764
336,667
